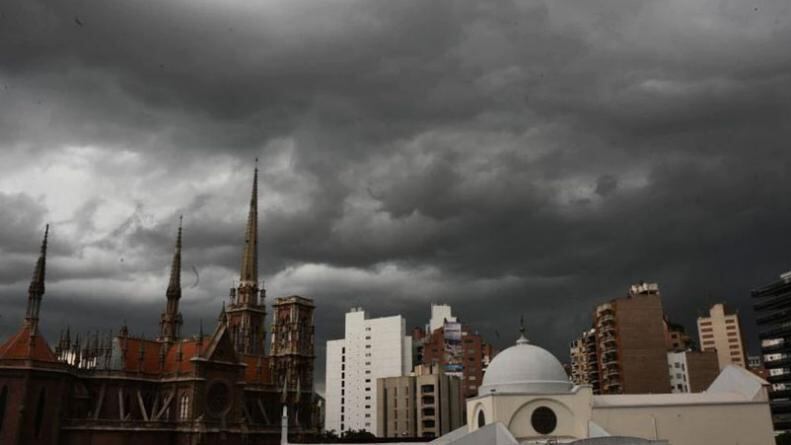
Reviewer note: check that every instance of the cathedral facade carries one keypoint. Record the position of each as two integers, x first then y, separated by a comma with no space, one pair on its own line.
218,387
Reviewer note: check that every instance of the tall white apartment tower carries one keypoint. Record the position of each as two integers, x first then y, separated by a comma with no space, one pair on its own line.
722,332
371,349
440,313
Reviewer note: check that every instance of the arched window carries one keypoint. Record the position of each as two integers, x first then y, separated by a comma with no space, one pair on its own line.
481,419
40,412
3,397
184,407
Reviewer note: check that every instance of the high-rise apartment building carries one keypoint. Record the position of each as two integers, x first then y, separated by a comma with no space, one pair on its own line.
676,337
631,344
455,347
428,403
692,371
773,316
584,360
721,331
440,314
372,348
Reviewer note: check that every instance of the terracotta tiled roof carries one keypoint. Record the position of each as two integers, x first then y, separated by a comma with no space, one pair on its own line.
19,347
252,374
131,359
189,349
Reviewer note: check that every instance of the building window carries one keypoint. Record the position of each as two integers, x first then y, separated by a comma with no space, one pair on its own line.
3,397
543,420
184,407
42,399
481,419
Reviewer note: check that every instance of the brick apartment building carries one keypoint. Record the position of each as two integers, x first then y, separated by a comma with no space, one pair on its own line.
474,354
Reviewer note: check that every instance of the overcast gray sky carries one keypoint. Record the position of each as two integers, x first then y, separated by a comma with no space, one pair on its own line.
509,157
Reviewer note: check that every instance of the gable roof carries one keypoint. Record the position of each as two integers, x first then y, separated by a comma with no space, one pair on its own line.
735,379
20,347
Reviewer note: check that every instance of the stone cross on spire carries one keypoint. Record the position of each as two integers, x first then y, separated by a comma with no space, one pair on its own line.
36,289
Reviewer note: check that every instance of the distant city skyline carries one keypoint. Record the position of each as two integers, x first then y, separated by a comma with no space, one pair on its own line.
511,158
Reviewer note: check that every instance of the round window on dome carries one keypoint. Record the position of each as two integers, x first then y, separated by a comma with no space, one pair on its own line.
544,420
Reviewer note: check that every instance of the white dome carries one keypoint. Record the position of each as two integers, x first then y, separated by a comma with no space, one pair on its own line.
526,369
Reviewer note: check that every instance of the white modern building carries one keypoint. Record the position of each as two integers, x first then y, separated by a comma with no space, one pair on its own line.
440,313
371,349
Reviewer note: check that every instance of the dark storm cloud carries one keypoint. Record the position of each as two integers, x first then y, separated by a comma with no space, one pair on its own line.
509,157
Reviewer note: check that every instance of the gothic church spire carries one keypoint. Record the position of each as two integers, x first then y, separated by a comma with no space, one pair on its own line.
36,289
249,269
170,324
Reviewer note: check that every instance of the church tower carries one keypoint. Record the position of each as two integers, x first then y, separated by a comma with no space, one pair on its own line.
171,321
292,341
246,311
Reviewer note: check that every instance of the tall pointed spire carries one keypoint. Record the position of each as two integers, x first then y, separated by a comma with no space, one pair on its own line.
246,312
174,285
36,289
249,270
170,323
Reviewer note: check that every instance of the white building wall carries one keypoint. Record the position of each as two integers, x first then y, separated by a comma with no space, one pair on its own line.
332,391
679,371
371,349
439,313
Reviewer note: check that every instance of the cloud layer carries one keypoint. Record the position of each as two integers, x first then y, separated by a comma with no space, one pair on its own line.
510,157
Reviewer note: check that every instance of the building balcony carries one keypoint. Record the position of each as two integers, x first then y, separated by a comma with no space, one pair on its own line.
605,308
781,331
782,346
606,318
607,328
781,288
782,378
776,317
778,363
780,406
772,304
781,394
